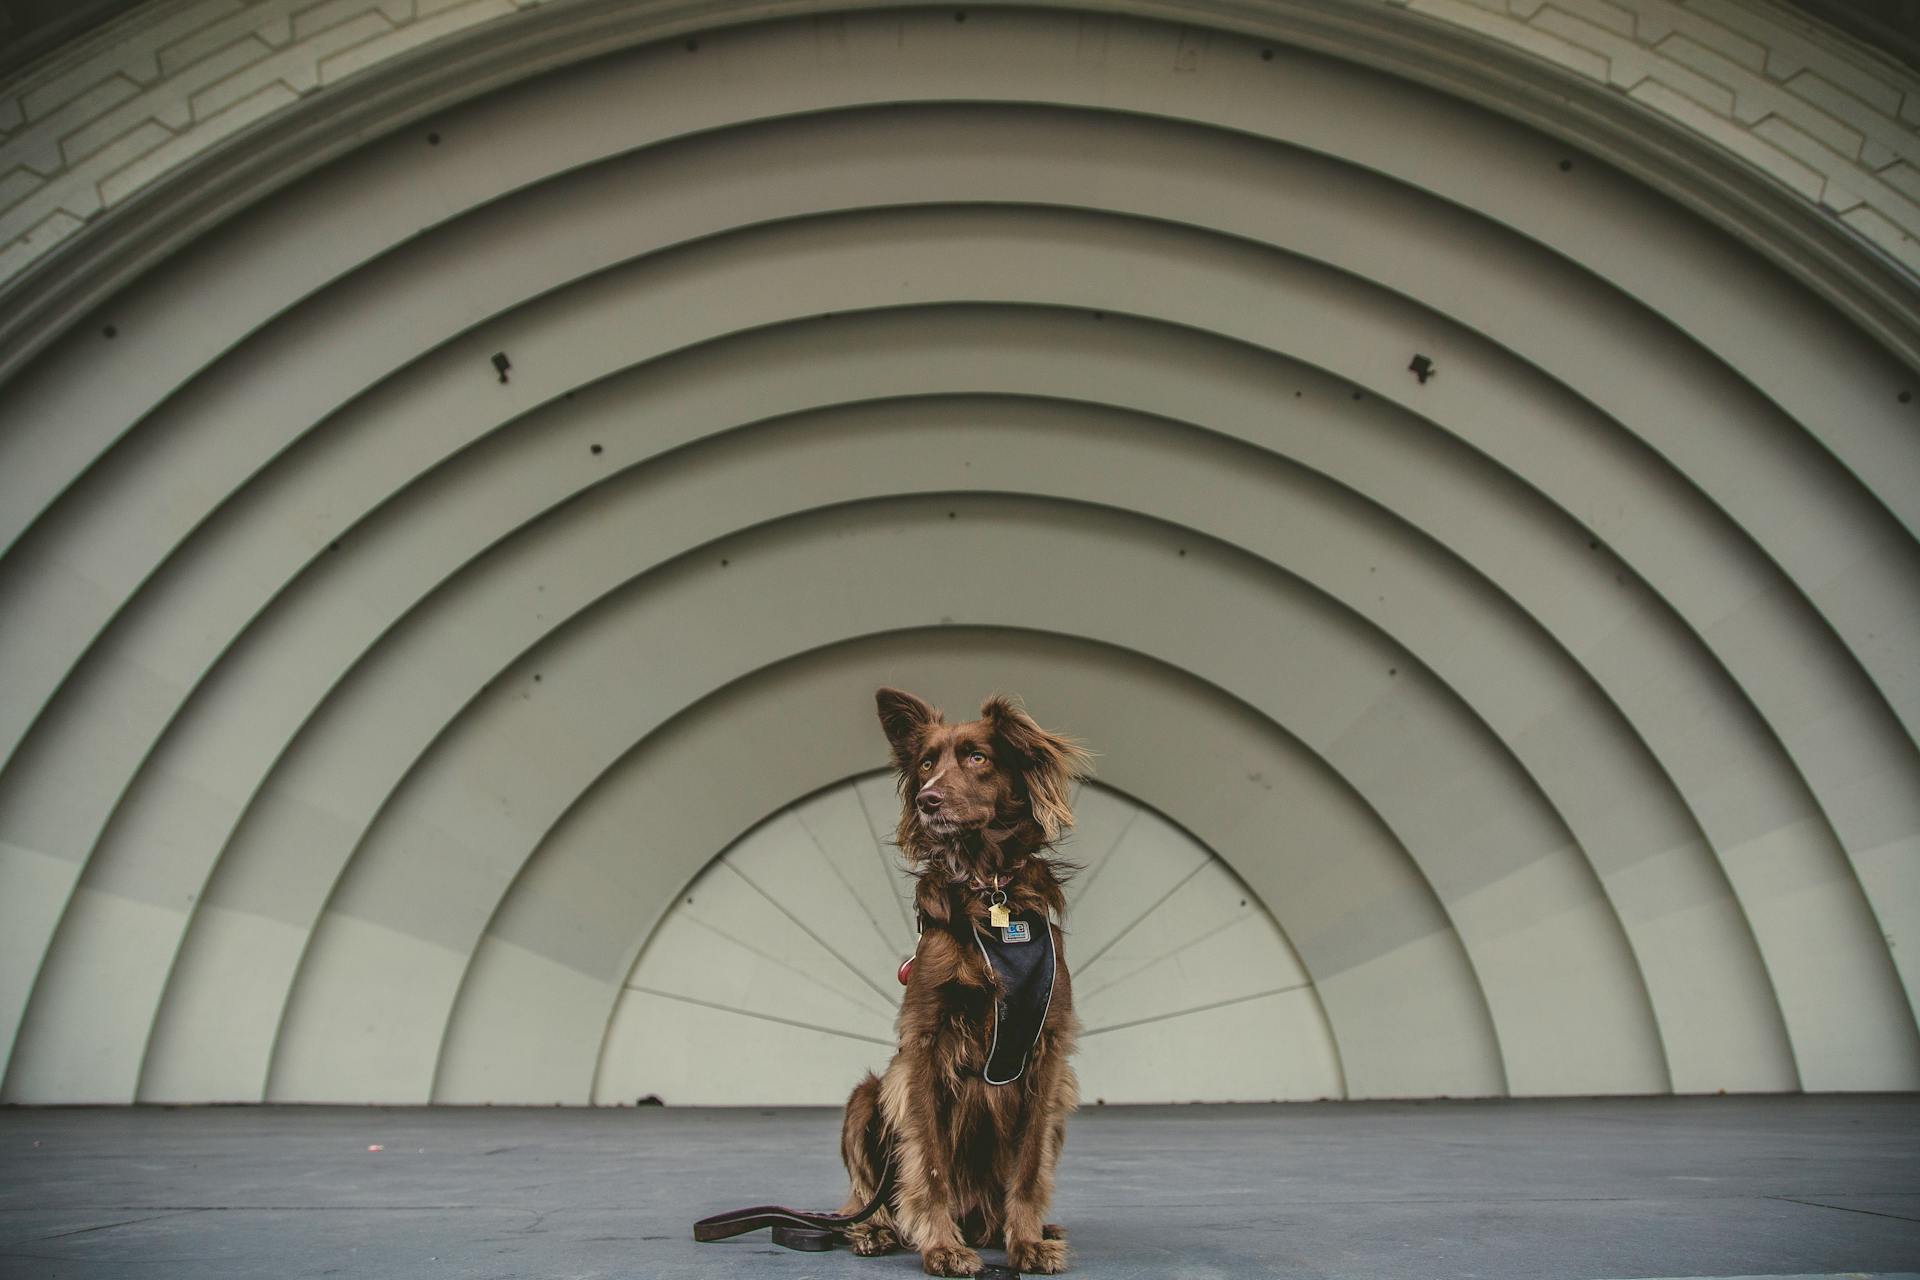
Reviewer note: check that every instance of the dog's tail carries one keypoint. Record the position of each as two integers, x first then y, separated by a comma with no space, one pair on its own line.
862,1146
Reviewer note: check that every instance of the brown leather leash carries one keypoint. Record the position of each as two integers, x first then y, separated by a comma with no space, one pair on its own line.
795,1228
813,1232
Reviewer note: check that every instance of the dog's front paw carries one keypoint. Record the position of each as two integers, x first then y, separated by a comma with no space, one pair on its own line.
1043,1257
871,1242
950,1261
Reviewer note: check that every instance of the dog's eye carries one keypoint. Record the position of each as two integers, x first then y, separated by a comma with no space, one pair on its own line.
976,758
926,764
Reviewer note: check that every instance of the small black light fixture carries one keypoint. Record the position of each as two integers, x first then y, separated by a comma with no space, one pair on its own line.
1422,368
501,364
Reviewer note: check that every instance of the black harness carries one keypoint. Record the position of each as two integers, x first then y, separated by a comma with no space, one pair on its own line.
1022,959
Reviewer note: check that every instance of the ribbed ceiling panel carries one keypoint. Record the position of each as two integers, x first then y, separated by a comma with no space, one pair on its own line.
367,711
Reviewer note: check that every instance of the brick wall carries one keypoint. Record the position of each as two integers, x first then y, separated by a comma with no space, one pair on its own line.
1822,114
90,125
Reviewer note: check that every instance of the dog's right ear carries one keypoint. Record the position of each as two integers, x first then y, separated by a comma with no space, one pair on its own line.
904,718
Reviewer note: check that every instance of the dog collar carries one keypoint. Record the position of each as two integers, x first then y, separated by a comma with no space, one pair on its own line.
998,882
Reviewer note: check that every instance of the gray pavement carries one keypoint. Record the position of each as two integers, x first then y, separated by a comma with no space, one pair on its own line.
1535,1190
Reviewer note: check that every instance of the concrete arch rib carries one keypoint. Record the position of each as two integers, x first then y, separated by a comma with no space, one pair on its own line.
776,959
842,548
1859,818
250,883
520,137
1375,447
1734,445
1103,690
1832,705
1569,478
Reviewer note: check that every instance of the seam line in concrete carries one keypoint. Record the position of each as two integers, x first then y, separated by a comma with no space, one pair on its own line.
1198,1008
1841,1208
764,1017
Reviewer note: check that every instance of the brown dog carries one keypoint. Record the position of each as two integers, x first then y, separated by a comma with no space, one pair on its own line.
973,1161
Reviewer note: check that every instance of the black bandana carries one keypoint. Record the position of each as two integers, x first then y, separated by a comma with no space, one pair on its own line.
1024,970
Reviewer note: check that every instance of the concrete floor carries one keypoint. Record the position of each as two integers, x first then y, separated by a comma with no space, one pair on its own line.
1574,1189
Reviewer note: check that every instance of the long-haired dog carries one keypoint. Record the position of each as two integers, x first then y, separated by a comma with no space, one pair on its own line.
973,1161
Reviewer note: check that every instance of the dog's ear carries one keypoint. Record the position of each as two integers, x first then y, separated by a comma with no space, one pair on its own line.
904,718
1047,762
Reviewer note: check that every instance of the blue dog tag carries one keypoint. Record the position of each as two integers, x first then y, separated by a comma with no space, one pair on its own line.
1017,931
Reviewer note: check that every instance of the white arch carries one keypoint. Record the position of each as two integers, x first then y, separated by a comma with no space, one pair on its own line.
1716,440
777,958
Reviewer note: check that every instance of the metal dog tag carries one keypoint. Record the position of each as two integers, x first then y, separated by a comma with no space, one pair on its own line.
1016,931
998,917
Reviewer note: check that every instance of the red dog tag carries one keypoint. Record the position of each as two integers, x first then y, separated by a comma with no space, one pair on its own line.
906,967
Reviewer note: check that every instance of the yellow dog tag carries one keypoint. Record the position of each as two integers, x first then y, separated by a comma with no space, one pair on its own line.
998,917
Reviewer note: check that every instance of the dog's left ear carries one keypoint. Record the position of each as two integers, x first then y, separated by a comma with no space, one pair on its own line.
1048,763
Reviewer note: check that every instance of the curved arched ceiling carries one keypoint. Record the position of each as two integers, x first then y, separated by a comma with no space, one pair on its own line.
1509,576
774,961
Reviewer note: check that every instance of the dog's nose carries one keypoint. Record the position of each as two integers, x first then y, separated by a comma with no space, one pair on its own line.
928,801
